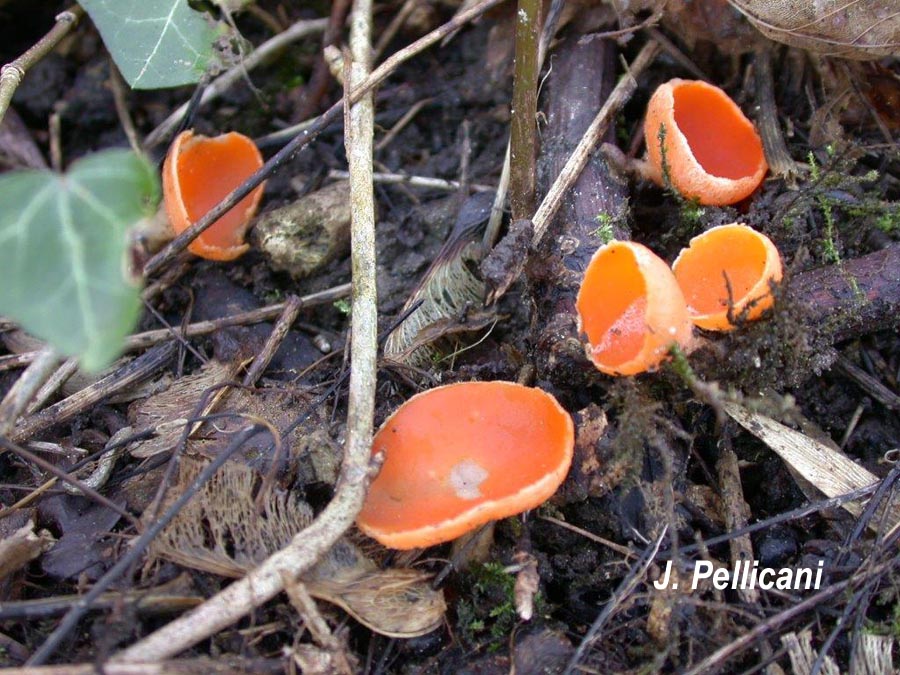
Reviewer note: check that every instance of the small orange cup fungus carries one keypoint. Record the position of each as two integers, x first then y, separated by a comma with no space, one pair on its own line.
712,151
461,455
197,174
631,309
728,266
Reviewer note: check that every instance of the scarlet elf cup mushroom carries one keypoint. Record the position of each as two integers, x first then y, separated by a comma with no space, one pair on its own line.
198,173
726,274
631,309
461,455
699,139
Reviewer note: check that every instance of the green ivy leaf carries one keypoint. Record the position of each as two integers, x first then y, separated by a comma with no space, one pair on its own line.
64,248
155,43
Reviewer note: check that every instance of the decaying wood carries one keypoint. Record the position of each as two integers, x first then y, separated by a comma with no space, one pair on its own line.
581,81
858,297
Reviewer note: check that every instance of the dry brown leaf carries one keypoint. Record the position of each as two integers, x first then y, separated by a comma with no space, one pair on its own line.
847,28
221,532
829,471
167,412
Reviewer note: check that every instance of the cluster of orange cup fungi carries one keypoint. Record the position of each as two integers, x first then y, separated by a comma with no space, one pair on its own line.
461,455
198,173
633,308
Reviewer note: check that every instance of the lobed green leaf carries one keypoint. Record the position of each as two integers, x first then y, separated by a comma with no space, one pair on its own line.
155,43
64,252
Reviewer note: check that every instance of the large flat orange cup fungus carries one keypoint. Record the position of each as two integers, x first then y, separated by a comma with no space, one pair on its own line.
711,151
631,309
197,174
461,455
728,267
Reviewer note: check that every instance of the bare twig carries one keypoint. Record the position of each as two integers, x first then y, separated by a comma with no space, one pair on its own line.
567,177
268,578
413,181
737,511
12,73
292,307
53,383
777,155
26,387
119,88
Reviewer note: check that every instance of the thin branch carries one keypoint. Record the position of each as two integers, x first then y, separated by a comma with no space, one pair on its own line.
414,181
12,73
577,161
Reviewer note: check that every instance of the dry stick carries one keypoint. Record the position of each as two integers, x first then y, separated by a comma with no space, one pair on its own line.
224,82
492,231
153,337
119,91
26,387
135,371
292,307
737,512
53,383
567,177
157,262
777,155
414,181
523,130
12,73
267,580
401,124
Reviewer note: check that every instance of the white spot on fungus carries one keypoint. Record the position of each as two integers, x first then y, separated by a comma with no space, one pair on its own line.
465,479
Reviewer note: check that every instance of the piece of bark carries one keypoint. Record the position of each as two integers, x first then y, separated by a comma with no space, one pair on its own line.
857,297
583,75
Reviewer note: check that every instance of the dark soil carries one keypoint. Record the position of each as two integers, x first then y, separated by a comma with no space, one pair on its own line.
649,449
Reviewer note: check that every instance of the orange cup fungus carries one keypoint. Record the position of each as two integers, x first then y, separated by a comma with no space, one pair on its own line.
631,309
461,455
711,151
198,173
731,266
